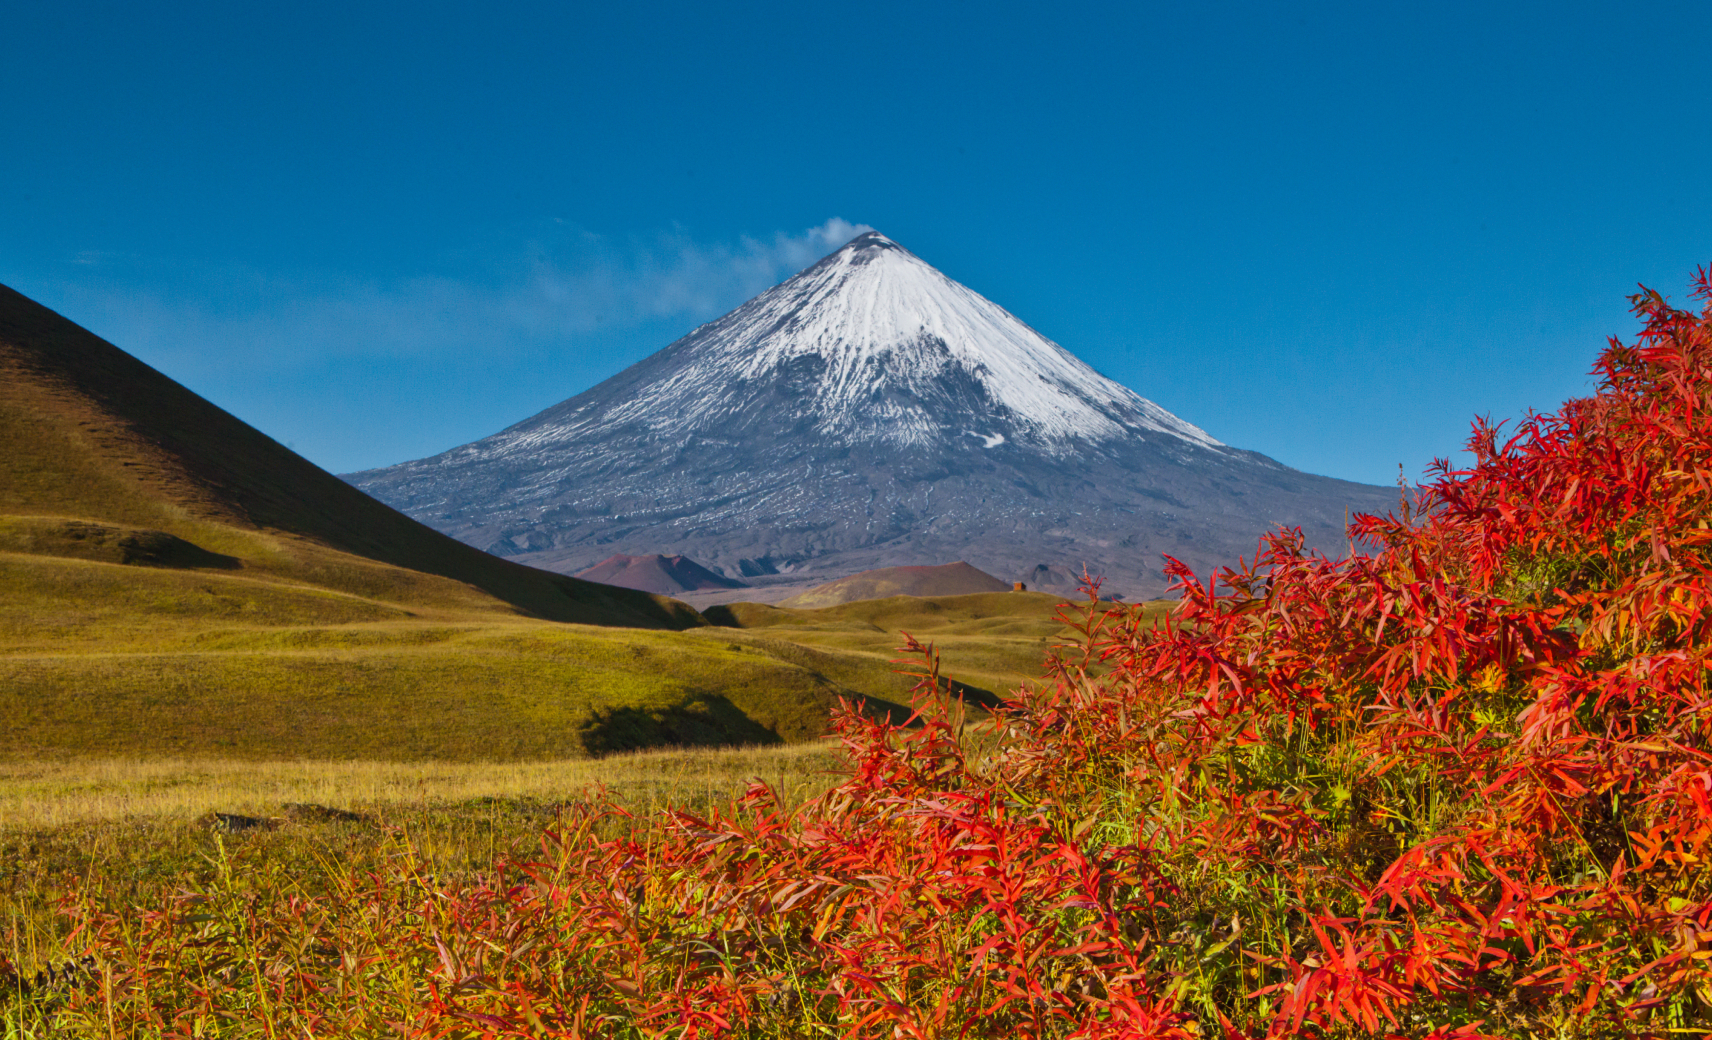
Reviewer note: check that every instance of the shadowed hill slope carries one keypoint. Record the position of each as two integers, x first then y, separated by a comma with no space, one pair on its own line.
103,458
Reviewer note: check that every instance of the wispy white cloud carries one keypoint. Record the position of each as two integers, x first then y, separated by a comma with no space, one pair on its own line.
680,276
556,285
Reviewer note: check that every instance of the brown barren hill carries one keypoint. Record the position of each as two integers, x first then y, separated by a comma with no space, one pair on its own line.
656,573
947,579
104,459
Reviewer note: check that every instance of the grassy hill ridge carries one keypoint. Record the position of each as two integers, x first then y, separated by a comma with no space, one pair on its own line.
90,434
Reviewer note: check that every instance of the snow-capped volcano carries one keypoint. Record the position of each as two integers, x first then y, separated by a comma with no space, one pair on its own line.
868,411
885,335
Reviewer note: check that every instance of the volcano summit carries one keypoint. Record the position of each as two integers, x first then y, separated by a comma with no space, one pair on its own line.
867,412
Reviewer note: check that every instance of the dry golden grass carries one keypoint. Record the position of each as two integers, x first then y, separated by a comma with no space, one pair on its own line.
136,830
43,795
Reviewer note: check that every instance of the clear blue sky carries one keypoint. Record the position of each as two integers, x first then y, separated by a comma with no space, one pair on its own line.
1329,232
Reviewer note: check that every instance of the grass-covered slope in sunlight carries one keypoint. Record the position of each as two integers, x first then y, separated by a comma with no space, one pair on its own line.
403,690
989,642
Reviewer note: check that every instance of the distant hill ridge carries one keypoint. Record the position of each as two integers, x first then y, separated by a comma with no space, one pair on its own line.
668,575
947,579
105,459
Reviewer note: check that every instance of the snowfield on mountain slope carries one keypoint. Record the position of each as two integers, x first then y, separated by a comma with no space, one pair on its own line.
882,330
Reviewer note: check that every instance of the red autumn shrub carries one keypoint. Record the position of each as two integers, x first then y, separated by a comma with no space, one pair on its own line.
1459,785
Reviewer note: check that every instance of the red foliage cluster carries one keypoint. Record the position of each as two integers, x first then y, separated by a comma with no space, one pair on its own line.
1456,786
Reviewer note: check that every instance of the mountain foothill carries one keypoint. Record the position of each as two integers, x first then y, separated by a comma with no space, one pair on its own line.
173,581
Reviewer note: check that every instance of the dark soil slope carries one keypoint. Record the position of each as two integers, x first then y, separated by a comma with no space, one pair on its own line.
656,573
103,458
949,579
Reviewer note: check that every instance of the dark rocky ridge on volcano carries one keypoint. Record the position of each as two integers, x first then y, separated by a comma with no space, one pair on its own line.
868,412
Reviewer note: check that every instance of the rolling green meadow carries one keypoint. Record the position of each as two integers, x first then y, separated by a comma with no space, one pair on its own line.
146,661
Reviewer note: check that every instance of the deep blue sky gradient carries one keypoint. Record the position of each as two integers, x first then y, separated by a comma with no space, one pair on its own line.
1329,232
